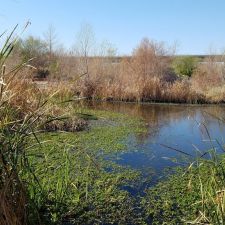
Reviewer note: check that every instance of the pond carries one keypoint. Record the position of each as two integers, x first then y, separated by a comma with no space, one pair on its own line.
176,134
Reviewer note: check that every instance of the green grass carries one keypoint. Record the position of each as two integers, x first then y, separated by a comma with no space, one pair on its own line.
107,132
76,182
193,195
51,178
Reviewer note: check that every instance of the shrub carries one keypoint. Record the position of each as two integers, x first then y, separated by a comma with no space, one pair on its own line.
209,74
185,66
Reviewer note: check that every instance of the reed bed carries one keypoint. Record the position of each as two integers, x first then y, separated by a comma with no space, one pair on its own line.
148,76
49,177
18,116
25,111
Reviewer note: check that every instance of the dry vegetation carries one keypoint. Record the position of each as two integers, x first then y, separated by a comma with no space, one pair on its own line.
25,110
151,73
148,76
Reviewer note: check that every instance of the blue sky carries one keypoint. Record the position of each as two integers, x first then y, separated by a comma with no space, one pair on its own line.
196,25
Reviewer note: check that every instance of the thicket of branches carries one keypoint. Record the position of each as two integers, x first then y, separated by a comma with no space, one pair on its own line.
152,73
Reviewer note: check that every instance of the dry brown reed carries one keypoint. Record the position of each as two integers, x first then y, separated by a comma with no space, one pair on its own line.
147,75
62,119
13,200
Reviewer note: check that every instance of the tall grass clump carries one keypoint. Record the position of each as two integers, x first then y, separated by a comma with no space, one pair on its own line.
19,113
211,204
56,181
13,133
210,174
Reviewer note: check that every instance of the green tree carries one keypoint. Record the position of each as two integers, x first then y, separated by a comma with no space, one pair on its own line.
185,66
35,48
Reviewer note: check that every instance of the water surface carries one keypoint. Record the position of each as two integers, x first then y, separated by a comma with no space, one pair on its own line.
192,129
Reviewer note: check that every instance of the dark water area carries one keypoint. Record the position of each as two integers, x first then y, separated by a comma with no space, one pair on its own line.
192,129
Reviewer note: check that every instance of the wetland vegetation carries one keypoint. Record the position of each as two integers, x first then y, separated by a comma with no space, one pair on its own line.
67,161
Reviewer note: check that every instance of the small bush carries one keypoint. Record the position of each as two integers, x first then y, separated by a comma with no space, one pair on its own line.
185,66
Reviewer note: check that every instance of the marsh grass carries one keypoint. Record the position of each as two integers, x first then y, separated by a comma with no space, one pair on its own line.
211,203
14,131
91,191
193,194
211,186
46,180
23,114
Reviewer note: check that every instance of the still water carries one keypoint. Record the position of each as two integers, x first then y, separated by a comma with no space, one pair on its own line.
172,129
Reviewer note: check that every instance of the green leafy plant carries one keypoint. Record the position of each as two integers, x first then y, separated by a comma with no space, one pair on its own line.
185,66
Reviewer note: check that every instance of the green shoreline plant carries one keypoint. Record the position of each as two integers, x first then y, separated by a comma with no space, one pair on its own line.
48,182
24,113
15,130
191,195
52,178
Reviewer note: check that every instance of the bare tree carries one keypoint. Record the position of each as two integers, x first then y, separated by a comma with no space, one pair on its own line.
85,41
149,58
50,39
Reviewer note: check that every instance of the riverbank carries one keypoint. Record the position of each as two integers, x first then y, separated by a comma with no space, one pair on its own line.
79,182
63,162
94,178
150,103
161,94
75,177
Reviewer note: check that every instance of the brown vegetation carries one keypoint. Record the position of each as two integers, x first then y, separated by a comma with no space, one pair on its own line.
23,112
147,75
